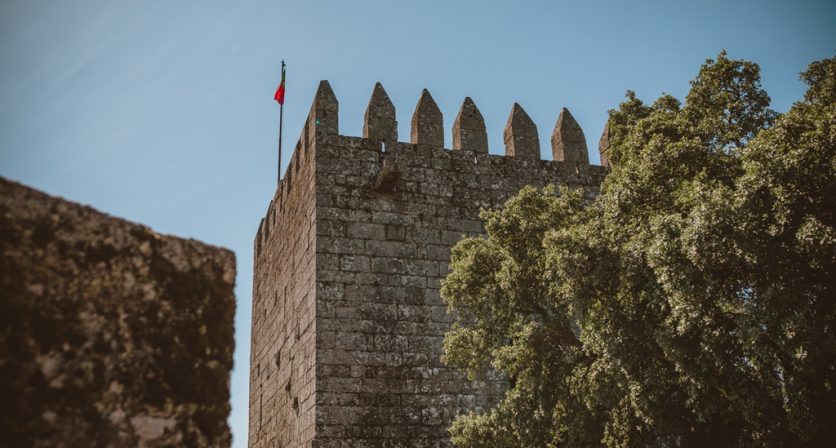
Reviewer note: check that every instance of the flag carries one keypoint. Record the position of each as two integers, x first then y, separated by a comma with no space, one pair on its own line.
279,96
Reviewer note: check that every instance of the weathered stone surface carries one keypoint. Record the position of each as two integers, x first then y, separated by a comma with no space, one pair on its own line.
348,321
389,176
324,115
112,334
469,128
604,146
427,122
379,122
568,141
520,135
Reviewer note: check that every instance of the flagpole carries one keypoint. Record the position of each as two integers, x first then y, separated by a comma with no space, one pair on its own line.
281,120
281,117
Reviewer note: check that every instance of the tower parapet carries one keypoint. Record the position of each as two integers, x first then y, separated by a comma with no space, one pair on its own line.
348,321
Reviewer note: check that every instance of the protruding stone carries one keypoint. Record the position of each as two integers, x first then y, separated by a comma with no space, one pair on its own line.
469,128
324,115
380,122
604,145
521,139
568,141
427,124
389,175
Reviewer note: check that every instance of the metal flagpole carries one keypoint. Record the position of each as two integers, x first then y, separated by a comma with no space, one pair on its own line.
281,119
281,116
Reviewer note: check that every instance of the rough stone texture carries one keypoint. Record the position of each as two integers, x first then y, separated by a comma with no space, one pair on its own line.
282,372
604,146
469,128
568,141
112,334
427,123
379,122
323,115
520,135
348,266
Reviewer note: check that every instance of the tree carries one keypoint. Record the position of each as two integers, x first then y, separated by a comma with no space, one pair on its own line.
691,304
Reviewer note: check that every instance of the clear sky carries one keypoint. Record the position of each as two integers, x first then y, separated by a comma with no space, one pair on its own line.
162,112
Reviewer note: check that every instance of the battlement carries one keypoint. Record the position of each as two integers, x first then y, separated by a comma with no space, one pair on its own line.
469,141
348,320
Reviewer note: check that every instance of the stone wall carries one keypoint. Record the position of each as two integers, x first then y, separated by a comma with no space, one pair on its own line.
386,216
112,334
282,372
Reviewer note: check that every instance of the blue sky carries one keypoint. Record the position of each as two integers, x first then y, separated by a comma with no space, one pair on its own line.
161,112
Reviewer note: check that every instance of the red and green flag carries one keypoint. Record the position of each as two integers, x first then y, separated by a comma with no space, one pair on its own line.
279,96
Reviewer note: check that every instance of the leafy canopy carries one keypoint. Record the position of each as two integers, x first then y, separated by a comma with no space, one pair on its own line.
690,304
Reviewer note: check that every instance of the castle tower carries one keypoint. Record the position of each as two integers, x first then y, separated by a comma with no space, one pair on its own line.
347,319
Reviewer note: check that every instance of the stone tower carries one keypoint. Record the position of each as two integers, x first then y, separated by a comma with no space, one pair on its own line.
347,320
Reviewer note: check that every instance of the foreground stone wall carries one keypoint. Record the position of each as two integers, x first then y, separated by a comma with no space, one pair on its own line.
386,216
111,334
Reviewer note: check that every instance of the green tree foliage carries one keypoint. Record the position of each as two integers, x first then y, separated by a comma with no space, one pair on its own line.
690,304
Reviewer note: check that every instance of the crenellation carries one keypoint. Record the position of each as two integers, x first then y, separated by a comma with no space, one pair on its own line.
469,128
287,182
324,114
604,146
427,122
359,246
266,229
379,122
568,141
520,135
257,242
